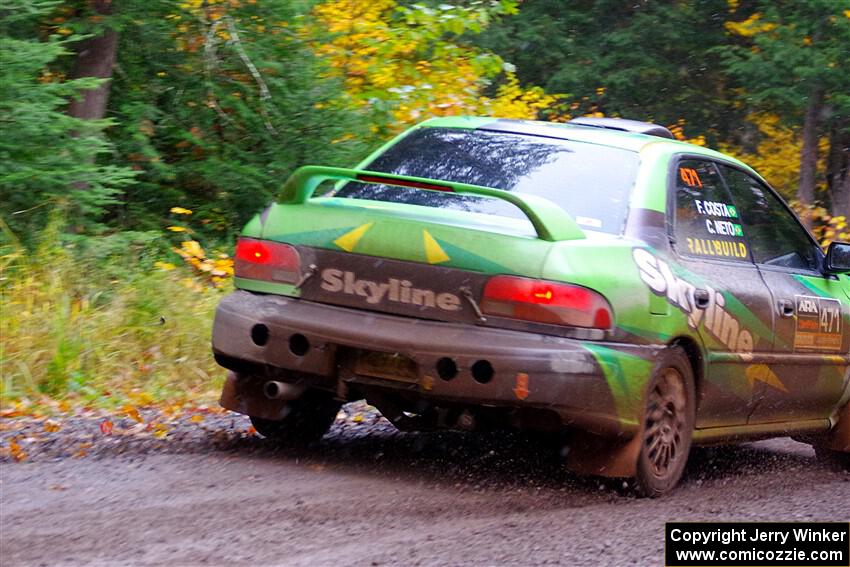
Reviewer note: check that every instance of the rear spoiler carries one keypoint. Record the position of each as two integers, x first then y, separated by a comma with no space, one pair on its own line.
550,221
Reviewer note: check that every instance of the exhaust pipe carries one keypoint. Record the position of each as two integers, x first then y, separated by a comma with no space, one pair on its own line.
282,391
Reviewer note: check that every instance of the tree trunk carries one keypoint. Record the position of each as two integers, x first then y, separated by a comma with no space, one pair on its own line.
838,170
809,155
841,198
95,58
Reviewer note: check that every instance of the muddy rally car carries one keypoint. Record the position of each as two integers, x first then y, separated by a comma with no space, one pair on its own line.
598,279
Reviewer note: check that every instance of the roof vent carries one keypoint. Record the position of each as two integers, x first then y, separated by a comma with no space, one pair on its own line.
624,126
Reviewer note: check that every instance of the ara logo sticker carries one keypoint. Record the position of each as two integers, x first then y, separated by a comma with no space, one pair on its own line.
807,305
818,323
715,320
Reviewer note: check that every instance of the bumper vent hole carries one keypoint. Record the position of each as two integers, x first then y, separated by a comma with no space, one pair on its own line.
260,334
298,344
482,371
446,368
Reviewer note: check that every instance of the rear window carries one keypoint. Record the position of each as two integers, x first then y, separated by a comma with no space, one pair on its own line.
590,182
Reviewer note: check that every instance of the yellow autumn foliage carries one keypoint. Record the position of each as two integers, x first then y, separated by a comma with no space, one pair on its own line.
514,101
750,27
209,270
826,227
678,131
413,66
777,156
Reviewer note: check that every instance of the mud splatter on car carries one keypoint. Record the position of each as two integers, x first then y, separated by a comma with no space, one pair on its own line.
597,279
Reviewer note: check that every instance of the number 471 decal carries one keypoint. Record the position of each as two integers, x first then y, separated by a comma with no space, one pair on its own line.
818,323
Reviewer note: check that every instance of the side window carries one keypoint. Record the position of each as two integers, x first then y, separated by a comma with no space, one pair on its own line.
706,224
775,236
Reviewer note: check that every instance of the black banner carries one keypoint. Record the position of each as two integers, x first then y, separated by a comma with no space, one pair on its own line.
761,544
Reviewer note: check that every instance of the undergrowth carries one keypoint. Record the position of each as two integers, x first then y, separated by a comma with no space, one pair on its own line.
96,321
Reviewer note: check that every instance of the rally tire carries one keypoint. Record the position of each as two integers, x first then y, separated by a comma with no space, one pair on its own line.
668,424
306,420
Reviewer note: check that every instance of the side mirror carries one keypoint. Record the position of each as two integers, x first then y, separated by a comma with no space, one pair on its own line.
838,258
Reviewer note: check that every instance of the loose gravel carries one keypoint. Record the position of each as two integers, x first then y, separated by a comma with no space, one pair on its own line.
199,486
99,433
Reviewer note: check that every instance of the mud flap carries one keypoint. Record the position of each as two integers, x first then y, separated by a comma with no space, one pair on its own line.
594,455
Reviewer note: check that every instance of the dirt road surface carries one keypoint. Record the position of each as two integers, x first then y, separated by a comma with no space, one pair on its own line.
368,495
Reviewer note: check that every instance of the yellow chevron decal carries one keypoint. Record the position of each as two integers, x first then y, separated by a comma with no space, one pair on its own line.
433,252
761,373
350,239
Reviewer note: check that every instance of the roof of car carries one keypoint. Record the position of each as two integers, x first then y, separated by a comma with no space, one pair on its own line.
564,131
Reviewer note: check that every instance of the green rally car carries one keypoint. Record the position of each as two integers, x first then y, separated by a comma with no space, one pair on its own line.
596,278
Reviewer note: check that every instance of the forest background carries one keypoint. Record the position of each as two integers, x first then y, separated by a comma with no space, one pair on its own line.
137,137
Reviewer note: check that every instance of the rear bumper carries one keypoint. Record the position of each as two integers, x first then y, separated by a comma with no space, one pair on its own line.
529,370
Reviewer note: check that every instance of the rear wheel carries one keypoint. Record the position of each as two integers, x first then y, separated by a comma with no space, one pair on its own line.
668,424
306,419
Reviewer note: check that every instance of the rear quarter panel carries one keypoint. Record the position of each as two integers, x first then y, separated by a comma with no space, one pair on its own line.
606,264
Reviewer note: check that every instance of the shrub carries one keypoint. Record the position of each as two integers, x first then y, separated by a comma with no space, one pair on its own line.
95,319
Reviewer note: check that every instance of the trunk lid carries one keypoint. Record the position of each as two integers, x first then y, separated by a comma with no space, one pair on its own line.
415,233
407,259
401,232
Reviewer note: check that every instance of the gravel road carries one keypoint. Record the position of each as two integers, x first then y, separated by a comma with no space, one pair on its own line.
211,492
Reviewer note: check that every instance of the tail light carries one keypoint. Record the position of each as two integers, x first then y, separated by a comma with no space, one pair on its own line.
267,260
546,302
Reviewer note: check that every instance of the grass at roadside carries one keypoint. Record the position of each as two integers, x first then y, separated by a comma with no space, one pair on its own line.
95,322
